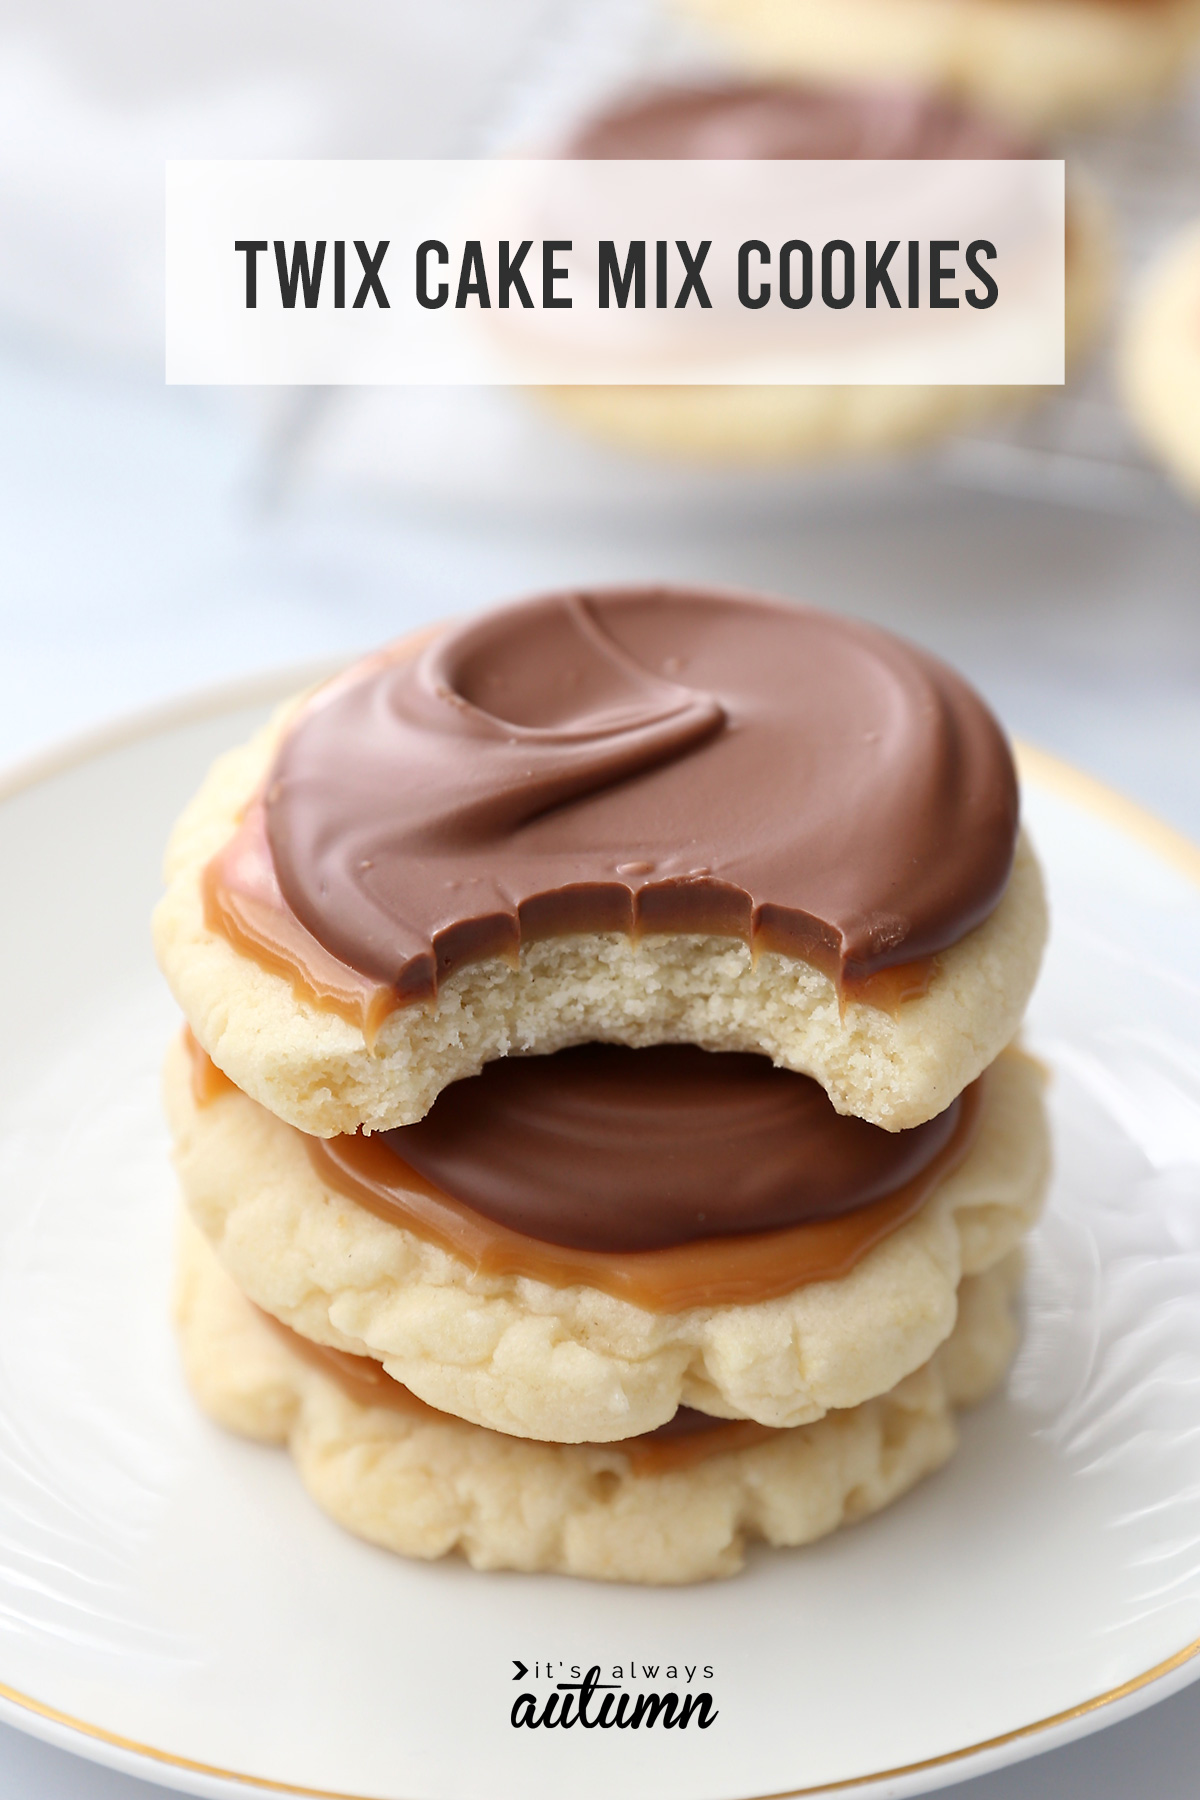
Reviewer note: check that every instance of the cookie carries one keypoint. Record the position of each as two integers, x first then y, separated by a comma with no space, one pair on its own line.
572,1362
780,121
1159,360
750,827
426,1485
1038,63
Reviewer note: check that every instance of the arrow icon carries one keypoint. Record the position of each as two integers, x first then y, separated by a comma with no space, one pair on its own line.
520,1668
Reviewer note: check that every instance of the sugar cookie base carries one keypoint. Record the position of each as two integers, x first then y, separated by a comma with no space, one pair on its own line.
315,1070
1159,360
748,425
427,1487
1039,63
571,1364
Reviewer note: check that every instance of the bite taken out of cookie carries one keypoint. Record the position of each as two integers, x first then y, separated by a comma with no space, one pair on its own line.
638,816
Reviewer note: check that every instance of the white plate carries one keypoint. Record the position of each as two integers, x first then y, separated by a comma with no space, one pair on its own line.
171,1603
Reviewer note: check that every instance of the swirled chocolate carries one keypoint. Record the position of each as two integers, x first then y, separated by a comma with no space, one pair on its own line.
739,1268
606,1148
587,1180
781,121
633,760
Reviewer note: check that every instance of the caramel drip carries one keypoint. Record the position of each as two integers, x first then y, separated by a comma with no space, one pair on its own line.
208,1082
688,1438
735,1270
243,904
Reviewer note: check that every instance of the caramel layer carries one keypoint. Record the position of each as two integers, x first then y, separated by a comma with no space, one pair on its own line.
607,1149
706,1272
736,1269
243,904
690,1437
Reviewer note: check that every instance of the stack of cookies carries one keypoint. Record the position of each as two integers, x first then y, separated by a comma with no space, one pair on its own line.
597,1116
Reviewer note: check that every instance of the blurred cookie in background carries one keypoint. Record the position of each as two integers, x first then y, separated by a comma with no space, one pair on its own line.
1038,63
1158,359
784,121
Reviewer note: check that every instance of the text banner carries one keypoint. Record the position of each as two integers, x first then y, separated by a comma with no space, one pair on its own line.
631,272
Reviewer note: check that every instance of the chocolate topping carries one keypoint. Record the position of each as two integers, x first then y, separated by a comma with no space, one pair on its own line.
642,760
785,122
605,1148
739,1268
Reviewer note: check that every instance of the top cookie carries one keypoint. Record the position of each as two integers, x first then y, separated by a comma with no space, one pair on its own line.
634,815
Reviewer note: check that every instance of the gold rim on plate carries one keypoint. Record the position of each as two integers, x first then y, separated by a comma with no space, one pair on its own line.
1039,767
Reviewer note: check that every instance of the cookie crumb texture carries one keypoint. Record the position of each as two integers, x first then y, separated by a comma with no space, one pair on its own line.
571,1364
314,1070
428,1488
